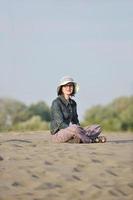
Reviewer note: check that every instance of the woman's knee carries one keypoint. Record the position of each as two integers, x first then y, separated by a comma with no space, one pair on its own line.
74,126
76,129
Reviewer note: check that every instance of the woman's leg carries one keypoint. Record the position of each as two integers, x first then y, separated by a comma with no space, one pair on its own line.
93,131
64,135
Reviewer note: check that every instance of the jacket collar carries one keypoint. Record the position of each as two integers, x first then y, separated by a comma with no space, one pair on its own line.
64,100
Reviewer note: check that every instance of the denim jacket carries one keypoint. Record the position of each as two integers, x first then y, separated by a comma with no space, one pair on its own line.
63,113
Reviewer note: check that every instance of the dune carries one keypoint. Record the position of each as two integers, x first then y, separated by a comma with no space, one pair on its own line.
34,168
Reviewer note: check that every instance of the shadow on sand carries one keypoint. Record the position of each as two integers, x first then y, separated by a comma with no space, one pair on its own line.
120,141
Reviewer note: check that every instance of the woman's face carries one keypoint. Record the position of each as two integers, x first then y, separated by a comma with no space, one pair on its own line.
67,89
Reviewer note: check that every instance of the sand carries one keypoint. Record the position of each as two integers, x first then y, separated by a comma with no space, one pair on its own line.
33,168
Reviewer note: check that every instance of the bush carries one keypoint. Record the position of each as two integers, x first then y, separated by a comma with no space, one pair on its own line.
33,124
117,116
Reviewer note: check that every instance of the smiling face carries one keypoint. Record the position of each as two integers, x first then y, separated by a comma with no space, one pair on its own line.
68,89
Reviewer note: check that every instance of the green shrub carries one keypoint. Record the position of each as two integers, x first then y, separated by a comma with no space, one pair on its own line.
33,124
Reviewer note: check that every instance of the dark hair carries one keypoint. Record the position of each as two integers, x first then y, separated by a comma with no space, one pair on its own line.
60,90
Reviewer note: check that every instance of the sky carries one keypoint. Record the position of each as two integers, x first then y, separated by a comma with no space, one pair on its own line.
43,40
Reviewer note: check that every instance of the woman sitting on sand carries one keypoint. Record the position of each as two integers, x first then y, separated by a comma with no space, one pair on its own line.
65,125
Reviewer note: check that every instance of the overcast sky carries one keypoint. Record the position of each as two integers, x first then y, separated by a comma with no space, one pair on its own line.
43,40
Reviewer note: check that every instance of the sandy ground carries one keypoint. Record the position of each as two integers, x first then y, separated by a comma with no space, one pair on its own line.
33,168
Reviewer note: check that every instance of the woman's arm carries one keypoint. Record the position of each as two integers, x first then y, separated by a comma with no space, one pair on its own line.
57,115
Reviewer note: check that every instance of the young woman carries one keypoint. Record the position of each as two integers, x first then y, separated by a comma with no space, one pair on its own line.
65,125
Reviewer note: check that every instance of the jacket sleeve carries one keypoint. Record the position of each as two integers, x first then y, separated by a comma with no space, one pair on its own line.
57,116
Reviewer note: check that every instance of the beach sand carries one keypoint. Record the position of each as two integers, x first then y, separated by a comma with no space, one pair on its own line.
33,168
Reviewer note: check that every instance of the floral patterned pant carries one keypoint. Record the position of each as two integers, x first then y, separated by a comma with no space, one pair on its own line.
84,134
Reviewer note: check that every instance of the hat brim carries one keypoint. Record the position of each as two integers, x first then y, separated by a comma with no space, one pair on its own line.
76,86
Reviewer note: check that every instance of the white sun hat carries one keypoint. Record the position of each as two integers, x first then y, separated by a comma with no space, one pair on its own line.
67,79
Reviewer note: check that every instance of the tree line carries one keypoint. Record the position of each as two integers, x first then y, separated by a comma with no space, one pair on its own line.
16,116
116,116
